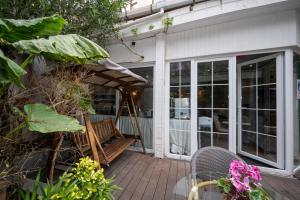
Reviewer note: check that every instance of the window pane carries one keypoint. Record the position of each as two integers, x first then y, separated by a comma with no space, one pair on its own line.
174,96
220,121
104,100
267,97
205,122
267,122
266,71
249,97
180,142
220,140
185,95
249,120
267,147
204,73
220,96
186,73
248,73
204,96
174,74
205,139
220,72
180,124
180,113
249,142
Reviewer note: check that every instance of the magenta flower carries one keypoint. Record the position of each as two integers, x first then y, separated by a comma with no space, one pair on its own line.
241,175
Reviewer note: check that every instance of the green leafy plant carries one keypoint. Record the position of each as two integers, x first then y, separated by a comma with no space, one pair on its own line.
33,194
167,22
151,27
135,31
85,181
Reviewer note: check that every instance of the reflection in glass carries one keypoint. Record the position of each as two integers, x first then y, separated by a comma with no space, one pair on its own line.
266,71
104,100
249,142
220,96
267,147
180,113
267,122
204,96
249,97
220,121
249,120
220,72
248,73
204,139
220,140
205,121
174,74
267,97
204,73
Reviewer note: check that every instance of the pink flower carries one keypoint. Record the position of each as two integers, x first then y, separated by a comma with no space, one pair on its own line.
242,175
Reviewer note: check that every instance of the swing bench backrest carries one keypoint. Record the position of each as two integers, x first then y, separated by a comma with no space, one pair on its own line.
105,130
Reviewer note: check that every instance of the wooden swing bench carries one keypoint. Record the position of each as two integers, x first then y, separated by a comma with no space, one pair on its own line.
104,139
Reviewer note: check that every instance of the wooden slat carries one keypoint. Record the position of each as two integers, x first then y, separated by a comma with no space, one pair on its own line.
140,190
163,180
132,179
172,179
151,187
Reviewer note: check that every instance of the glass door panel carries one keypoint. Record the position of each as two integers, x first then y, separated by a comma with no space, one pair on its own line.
212,97
180,108
258,109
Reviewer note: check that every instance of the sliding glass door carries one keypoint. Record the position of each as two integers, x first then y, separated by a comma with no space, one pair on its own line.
260,110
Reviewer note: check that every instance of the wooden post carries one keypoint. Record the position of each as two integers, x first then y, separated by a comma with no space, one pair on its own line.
136,120
120,109
90,133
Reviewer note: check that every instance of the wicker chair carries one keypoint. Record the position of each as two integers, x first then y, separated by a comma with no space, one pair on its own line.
214,160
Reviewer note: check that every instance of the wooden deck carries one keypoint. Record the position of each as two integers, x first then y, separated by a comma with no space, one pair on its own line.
145,177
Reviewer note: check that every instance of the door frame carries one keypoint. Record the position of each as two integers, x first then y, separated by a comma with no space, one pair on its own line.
232,88
279,110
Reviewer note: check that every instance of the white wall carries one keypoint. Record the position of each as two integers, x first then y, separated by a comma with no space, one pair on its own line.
146,47
259,32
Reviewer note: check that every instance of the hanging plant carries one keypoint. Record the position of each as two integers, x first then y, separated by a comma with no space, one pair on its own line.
167,22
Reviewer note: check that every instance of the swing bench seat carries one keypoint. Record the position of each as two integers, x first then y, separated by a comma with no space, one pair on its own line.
109,140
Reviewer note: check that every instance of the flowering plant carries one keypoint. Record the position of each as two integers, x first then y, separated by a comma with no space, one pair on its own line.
243,183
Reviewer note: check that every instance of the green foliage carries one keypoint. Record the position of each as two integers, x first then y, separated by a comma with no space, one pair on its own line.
259,194
94,19
12,30
151,27
67,48
31,195
224,185
135,31
41,118
85,181
167,22
10,72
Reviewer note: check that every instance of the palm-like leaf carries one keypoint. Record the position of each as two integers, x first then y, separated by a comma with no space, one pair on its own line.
66,48
42,118
12,30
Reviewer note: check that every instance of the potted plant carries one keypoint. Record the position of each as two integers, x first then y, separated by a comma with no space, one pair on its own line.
242,183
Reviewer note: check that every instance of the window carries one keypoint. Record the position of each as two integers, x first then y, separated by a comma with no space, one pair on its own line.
212,93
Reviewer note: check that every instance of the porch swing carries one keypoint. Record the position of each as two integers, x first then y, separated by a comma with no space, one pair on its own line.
102,137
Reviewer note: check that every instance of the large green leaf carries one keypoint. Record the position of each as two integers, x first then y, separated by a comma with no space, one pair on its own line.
13,30
67,48
10,72
42,118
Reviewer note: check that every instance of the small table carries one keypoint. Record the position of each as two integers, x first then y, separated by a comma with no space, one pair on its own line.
188,187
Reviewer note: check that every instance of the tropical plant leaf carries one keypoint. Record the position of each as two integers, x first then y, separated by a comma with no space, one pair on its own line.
12,30
44,119
66,48
10,72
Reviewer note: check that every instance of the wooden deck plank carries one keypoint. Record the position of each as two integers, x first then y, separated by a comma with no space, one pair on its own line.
151,187
145,177
172,179
131,181
163,180
180,175
144,181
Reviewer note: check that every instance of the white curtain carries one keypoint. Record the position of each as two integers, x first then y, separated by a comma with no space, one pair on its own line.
180,136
